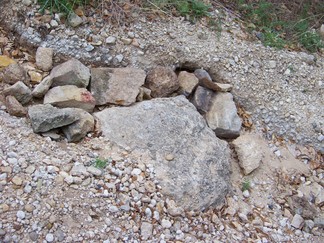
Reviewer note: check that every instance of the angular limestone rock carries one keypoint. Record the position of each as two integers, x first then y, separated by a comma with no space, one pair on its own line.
14,108
46,117
222,116
70,96
198,175
41,89
187,82
118,86
14,73
20,91
72,72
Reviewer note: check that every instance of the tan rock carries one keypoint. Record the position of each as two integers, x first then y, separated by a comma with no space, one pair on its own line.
44,58
6,61
187,82
14,108
35,77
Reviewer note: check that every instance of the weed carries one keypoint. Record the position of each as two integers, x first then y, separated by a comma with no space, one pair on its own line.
246,185
100,163
63,6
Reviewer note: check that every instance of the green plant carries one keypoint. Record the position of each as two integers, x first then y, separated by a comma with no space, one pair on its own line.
246,185
64,6
100,163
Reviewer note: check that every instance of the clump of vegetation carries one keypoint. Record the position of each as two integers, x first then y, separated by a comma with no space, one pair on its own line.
246,185
62,6
100,163
279,27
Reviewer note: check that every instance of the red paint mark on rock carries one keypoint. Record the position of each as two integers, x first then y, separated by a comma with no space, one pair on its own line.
87,97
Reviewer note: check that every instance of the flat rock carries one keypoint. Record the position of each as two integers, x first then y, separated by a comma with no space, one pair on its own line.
201,99
162,81
20,91
44,58
79,129
222,116
70,96
14,108
118,86
46,117
187,82
14,73
249,152
198,175
72,72
41,89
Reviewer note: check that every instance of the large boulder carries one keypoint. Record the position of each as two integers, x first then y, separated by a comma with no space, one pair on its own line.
162,81
46,117
222,116
20,91
191,163
70,96
118,86
79,129
72,72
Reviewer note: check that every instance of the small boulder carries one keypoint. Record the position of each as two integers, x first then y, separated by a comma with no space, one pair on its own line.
187,82
44,58
41,89
249,152
222,116
201,99
14,73
206,81
20,91
46,117
70,96
79,129
162,81
74,20
118,86
14,108
72,72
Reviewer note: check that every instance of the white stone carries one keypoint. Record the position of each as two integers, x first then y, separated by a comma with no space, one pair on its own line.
21,214
136,171
246,194
297,222
49,237
166,224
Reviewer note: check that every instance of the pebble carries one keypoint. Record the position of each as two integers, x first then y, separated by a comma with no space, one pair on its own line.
297,221
111,40
246,194
21,214
146,230
17,181
136,171
49,237
166,224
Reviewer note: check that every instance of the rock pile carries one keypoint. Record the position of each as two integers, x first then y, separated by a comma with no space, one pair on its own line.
76,90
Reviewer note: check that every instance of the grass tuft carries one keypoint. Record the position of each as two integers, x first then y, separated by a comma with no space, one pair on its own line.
100,163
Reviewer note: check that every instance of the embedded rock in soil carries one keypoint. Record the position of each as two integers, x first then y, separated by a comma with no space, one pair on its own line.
198,175
222,116
20,91
79,129
118,86
14,73
162,81
70,96
46,117
72,72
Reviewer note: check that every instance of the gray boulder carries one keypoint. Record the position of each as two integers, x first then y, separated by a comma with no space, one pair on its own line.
79,129
72,72
118,86
70,96
162,81
196,176
46,117
20,91
222,116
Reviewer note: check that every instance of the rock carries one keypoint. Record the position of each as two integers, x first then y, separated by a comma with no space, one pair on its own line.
21,214
301,206
201,99
146,230
44,58
14,73
14,108
166,224
187,82
111,40
222,116
94,171
70,96
272,64
72,72
313,190
46,117
20,91
249,152
17,181
35,77
319,222
173,126
79,170
80,128
74,20
49,237
321,31
246,194
144,94
6,61
33,236
206,81
162,81
118,86
297,221
41,89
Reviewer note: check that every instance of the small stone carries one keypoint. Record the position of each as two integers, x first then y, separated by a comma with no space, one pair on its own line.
41,89
20,91
21,214
126,41
166,224
89,48
94,171
44,58
27,2
146,230
2,232
246,194
54,23
169,157
6,61
297,221
136,171
14,108
29,208
272,64
113,209
33,236
74,20
17,181
49,237
111,40
35,76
